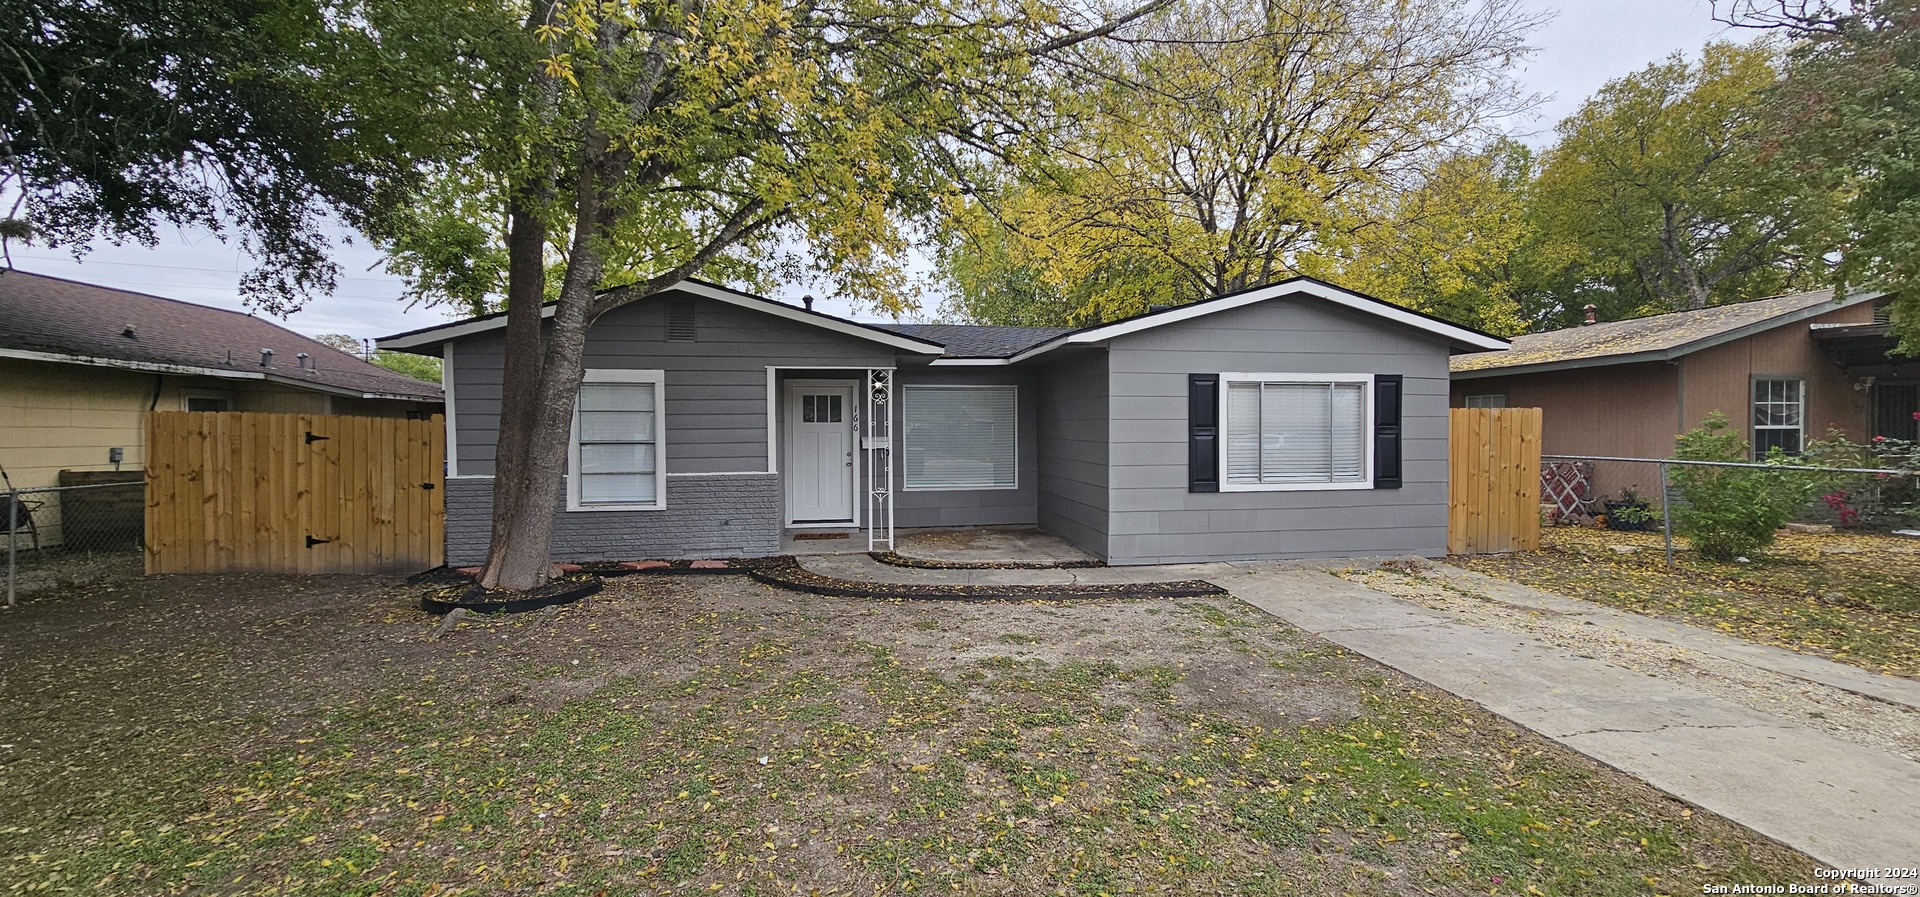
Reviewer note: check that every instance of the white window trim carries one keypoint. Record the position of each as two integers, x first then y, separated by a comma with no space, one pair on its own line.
1753,401
1366,431
906,390
187,397
659,381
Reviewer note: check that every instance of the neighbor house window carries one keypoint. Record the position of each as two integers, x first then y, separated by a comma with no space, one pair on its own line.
207,403
1779,415
616,461
1297,431
961,437
1491,400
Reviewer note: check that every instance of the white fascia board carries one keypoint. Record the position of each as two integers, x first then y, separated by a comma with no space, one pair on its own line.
446,332
704,291
1458,335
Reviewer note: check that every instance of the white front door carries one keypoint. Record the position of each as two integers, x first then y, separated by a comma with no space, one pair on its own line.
820,418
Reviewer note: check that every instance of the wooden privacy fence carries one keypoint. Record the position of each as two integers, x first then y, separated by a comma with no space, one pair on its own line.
294,493
1493,501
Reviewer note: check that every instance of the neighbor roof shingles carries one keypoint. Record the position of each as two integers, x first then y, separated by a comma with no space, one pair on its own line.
1669,333
979,340
64,317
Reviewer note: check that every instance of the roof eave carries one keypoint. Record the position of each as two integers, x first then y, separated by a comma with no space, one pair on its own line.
1686,348
189,370
428,337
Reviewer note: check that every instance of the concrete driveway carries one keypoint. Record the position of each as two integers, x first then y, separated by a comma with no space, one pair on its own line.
1847,794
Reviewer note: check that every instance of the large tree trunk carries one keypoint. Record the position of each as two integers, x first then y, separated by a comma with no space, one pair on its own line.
520,556
513,479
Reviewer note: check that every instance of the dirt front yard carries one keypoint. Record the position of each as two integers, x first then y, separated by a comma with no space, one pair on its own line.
1852,597
257,735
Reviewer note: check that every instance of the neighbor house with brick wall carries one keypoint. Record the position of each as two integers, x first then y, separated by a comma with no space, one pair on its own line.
1293,420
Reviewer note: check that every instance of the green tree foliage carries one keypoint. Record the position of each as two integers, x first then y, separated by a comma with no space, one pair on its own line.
1846,117
1660,193
1235,143
651,140
1729,512
120,118
419,367
1458,245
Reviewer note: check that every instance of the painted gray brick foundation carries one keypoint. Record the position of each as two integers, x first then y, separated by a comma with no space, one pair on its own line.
735,515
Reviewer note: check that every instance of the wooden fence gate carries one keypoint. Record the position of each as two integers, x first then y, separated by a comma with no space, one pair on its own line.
294,493
1493,498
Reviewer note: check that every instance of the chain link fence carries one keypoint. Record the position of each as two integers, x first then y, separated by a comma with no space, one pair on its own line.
63,536
1644,494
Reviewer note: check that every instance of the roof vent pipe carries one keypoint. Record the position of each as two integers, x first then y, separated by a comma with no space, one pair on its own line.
266,357
301,360
807,301
1592,315
1156,309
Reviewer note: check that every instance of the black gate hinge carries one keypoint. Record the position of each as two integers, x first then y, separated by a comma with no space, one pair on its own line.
311,541
311,439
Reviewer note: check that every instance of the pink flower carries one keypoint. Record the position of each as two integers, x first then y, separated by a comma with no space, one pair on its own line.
1879,439
1916,415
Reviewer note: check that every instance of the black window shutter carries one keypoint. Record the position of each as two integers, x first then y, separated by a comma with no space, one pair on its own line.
1386,431
1203,432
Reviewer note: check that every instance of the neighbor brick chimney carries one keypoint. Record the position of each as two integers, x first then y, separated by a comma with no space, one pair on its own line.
1592,314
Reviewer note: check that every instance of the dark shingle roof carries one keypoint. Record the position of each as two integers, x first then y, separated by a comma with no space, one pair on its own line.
1672,334
66,317
979,340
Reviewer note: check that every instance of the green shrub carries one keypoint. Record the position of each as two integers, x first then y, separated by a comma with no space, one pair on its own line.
1727,512
1867,499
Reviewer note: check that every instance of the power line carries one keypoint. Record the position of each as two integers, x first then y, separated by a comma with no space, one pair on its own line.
84,262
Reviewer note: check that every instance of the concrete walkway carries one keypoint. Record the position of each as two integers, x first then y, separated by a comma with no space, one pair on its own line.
865,569
1845,805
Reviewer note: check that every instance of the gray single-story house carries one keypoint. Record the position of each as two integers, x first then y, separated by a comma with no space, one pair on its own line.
1294,420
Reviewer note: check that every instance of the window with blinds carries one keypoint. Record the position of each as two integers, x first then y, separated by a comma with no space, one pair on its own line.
1296,433
961,437
616,449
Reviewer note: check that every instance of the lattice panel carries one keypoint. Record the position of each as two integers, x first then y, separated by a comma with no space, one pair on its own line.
1568,486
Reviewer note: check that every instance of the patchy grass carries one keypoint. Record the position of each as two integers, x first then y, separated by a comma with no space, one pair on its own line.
255,735
1851,597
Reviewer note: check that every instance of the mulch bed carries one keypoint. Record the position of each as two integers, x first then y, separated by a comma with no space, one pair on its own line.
786,573
494,601
901,560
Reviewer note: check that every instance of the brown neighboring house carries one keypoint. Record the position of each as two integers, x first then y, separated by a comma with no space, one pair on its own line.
1783,370
81,365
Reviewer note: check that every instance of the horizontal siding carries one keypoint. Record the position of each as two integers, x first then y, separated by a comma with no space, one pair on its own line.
1075,451
705,516
971,507
1154,518
716,385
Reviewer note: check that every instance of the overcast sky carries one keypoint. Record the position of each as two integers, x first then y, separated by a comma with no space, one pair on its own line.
1582,47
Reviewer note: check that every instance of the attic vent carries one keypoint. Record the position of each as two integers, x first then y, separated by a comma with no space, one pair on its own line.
1883,313
680,321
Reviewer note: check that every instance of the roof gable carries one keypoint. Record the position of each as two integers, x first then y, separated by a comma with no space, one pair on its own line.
426,337
1652,338
1455,335
54,319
